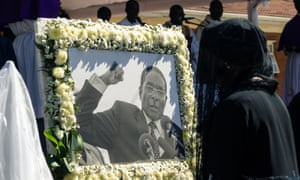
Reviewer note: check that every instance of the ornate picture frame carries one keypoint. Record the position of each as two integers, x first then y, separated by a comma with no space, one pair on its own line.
54,38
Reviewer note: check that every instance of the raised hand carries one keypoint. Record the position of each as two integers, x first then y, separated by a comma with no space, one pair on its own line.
113,75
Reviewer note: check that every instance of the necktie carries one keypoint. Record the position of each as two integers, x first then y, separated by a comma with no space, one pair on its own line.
156,148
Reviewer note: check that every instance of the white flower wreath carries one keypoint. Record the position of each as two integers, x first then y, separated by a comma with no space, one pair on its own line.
53,41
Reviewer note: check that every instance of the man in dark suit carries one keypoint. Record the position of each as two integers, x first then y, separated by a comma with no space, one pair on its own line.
125,130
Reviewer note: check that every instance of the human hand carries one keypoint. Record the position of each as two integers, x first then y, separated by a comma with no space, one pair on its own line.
113,75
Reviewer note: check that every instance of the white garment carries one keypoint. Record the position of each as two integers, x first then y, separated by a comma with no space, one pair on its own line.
28,65
21,155
291,82
21,27
125,22
194,51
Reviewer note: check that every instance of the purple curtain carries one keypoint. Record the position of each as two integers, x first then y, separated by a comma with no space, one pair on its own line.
16,10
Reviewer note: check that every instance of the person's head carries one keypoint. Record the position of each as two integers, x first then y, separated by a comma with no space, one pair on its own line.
176,14
233,51
132,10
153,92
216,9
297,5
62,13
104,13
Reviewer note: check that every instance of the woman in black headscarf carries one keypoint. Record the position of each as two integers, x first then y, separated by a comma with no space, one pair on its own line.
248,133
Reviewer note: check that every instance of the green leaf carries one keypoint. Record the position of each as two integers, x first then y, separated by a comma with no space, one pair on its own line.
61,148
49,134
76,141
67,164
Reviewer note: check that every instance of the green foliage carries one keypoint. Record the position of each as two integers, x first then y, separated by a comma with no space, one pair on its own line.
67,146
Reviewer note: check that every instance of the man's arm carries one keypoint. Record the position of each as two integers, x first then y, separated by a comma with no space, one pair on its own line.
95,126
93,88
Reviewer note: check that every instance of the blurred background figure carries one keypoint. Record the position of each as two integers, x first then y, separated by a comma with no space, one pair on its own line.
62,12
290,44
252,10
104,13
214,16
177,17
132,10
253,18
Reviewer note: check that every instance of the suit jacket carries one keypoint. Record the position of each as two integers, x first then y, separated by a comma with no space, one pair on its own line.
118,129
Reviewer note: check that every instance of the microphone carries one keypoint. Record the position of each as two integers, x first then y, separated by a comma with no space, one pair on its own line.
147,146
188,18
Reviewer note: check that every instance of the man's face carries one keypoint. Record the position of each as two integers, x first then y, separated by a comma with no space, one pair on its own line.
132,12
153,95
177,17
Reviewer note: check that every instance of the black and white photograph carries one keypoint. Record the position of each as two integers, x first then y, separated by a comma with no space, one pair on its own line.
128,106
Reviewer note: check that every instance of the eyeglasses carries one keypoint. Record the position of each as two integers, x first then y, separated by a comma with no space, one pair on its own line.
154,90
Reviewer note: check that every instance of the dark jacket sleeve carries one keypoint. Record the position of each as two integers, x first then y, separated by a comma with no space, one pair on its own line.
96,128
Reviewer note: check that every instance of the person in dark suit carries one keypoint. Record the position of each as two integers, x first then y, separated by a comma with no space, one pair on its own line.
125,130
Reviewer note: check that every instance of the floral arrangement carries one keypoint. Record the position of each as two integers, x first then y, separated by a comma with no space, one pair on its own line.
53,38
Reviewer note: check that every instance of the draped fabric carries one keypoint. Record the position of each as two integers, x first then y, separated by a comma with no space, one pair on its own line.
17,10
21,155
291,82
29,69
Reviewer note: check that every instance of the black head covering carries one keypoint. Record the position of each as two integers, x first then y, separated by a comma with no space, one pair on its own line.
236,41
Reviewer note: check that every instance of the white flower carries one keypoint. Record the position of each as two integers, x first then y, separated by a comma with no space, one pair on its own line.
56,33
68,107
61,57
71,119
58,72
92,32
82,34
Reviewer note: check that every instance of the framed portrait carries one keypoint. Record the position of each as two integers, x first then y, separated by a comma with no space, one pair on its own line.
120,110
105,85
